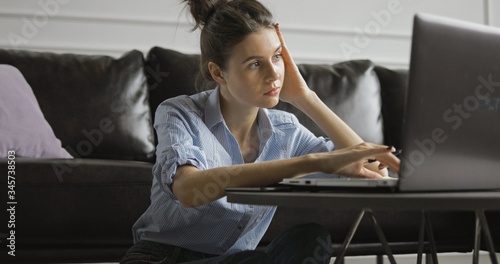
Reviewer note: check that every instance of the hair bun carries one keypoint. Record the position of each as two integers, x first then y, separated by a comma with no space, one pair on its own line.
202,10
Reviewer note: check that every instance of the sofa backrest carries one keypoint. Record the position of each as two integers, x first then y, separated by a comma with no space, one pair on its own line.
103,107
369,98
96,105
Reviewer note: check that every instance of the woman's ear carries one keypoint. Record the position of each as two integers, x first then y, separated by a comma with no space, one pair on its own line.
216,73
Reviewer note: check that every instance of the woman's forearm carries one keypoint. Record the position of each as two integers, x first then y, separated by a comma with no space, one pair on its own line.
340,133
194,187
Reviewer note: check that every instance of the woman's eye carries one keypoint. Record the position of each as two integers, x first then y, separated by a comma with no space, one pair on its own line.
254,65
277,57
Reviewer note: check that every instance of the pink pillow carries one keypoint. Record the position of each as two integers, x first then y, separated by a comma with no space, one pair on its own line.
23,127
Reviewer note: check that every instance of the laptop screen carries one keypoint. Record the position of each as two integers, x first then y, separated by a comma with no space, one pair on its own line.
451,134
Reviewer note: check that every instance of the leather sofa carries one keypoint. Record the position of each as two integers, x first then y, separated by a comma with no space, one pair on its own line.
82,209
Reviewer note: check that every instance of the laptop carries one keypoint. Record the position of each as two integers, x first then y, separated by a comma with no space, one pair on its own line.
451,133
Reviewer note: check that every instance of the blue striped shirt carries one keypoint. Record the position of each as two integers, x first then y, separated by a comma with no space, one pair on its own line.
191,130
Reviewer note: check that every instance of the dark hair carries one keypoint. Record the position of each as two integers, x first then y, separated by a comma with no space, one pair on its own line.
223,24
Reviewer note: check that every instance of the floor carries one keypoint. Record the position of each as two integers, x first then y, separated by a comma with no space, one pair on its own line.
447,258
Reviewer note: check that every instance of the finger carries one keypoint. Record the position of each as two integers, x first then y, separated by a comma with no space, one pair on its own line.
382,166
369,151
280,36
371,174
285,53
390,161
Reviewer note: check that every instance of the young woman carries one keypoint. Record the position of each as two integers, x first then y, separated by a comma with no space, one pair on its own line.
227,137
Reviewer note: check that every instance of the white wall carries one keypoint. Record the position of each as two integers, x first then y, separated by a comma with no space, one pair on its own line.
317,31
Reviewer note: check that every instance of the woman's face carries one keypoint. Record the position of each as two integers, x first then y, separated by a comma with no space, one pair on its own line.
254,72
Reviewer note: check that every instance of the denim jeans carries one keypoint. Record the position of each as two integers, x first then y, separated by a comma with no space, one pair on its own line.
301,244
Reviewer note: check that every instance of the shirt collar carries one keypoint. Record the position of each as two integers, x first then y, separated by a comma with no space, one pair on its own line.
213,114
266,128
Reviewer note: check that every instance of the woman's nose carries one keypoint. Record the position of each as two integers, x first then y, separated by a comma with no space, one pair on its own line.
273,73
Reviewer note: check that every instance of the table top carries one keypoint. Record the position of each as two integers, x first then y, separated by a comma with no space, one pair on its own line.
484,200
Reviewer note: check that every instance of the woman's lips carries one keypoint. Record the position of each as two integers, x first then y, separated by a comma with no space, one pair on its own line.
273,92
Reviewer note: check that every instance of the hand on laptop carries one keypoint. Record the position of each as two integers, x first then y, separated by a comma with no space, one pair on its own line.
356,157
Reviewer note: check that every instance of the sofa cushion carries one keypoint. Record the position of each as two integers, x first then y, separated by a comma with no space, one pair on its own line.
97,105
23,128
394,88
352,90
170,73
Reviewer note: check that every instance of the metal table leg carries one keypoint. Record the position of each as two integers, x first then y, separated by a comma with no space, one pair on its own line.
477,242
381,238
421,237
353,230
430,235
487,235
349,237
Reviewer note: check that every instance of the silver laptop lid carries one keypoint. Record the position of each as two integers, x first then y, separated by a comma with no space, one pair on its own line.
452,129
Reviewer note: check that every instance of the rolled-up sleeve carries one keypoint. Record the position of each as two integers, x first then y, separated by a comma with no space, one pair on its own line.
177,135
177,155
